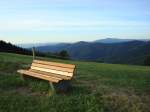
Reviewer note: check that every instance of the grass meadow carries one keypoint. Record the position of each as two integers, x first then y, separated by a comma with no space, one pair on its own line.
97,87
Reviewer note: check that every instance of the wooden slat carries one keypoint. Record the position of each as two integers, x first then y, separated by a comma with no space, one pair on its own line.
52,71
53,75
70,70
54,64
41,76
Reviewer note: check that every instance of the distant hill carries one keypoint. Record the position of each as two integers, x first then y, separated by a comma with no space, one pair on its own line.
117,40
113,40
132,52
53,48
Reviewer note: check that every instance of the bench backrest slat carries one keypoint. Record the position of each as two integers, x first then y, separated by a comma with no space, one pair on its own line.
53,67
54,64
51,74
52,71
70,70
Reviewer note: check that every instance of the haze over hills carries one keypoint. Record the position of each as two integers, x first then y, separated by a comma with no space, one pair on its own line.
29,45
106,40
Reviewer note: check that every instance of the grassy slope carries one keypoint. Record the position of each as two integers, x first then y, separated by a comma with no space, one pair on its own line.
96,88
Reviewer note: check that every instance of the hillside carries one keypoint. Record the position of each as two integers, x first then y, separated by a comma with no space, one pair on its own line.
96,87
133,52
10,48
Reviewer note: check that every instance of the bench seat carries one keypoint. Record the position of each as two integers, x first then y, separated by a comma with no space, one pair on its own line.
50,71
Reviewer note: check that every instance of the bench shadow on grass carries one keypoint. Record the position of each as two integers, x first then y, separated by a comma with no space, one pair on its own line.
42,87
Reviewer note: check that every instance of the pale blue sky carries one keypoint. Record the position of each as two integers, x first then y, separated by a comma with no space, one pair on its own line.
39,21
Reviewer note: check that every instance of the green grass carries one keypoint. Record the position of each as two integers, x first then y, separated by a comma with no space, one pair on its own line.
97,87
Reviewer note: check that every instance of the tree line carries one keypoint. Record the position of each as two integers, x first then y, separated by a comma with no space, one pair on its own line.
10,48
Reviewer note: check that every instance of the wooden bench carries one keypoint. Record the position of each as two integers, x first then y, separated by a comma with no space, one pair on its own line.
50,71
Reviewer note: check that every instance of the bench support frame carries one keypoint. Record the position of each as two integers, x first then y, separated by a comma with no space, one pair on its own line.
22,77
51,89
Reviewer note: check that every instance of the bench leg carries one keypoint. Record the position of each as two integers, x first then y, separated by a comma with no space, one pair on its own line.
22,77
52,89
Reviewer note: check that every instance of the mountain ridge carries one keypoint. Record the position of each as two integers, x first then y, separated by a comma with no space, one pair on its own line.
106,40
132,52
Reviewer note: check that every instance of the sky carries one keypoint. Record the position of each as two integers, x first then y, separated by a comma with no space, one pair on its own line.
40,21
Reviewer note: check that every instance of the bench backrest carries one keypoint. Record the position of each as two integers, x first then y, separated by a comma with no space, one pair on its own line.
53,67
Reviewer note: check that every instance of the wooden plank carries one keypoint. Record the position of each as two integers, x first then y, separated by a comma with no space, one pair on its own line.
41,76
54,64
52,71
70,70
53,75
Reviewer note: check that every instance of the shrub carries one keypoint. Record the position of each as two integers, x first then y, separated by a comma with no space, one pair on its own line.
64,54
147,61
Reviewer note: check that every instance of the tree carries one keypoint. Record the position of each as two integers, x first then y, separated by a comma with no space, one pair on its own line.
147,61
64,54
